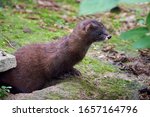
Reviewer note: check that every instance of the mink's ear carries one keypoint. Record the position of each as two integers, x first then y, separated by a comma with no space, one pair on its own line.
89,26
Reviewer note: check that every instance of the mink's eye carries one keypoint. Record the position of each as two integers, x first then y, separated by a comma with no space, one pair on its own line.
100,33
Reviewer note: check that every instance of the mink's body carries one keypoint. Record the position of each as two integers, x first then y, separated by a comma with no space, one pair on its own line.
39,63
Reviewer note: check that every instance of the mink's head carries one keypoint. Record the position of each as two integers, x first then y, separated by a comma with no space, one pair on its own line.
92,31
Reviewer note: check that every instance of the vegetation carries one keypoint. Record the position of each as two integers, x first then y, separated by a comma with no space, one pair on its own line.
140,35
97,6
4,90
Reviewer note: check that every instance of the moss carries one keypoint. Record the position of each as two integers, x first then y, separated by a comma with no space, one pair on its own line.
91,92
69,89
89,64
54,96
110,89
114,88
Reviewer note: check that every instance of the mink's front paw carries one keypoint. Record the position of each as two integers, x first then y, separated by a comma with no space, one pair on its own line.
74,72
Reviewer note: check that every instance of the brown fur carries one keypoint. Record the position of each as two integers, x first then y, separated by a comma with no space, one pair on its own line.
38,63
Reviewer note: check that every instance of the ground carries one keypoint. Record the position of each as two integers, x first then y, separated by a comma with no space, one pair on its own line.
105,70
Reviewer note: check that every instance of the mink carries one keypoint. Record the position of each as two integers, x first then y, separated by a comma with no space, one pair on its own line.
37,64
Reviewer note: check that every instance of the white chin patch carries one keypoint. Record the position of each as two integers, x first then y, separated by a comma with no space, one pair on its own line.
107,37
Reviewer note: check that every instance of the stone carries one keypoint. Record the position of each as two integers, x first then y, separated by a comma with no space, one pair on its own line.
7,61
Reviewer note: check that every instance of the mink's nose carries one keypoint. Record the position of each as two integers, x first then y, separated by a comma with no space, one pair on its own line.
109,36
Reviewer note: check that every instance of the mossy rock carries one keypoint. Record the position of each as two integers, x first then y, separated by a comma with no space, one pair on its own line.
78,88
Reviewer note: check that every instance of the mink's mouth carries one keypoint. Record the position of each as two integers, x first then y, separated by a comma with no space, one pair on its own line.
107,37
104,37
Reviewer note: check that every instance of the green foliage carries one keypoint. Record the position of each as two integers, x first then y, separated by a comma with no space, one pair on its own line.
136,33
97,6
140,35
133,1
4,91
148,21
143,43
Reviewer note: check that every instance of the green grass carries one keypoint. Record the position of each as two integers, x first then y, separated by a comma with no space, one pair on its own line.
73,3
89,64
13,24
123,45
